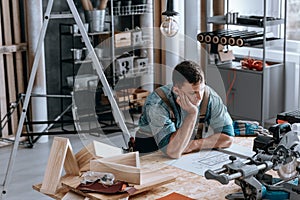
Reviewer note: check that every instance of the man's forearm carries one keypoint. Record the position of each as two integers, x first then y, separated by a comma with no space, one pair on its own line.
180,139
217,140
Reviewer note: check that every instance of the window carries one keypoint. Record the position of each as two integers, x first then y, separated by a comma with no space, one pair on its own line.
293,19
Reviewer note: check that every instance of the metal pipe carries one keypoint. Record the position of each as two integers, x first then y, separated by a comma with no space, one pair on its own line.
34,12
26,101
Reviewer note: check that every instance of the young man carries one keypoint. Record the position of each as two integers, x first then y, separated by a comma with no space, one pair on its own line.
176,117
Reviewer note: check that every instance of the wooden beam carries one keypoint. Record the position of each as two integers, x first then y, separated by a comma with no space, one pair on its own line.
95,150
12,93
71,165
60,193
103,150
3,101
17,39
203,53
60,155
7,49
125,167
73,196
218,9
55,165
84,156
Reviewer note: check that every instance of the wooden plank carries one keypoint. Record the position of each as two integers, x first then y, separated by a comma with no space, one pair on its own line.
130,159
70,164
203,53
153,179
17,39
218,9
55,165
60,193
84,156
104,150
74,196
12,95
125,167
3,101
95,150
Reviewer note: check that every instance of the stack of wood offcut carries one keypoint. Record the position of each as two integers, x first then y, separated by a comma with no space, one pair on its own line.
12,62
95,157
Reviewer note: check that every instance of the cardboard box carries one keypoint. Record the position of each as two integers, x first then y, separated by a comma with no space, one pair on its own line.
140,94
121,96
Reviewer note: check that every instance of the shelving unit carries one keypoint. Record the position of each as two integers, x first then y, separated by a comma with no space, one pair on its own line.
252,95
121,77
70,65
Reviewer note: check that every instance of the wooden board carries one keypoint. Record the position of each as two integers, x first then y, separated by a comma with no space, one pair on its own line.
130,159
3,104
17,40
151,180
84,156
125,167
60,192
60,155
103,150
55,165
70,164
9,60
95,150
74,196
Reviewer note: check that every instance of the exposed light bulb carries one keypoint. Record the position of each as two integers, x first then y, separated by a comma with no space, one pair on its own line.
169,27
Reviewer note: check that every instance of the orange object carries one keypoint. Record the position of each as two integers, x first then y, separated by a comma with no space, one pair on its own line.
252,64
279,121
174,196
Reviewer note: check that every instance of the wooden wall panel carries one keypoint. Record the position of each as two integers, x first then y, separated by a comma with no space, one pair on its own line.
17,40
3,104
203,28
218,9
159,52
9,61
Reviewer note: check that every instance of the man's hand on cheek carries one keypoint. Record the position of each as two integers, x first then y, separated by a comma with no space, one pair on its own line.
185,103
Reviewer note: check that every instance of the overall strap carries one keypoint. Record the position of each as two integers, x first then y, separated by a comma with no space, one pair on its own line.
163,96
203,109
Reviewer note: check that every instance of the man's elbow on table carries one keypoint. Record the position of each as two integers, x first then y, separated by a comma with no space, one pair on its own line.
173,153
224,141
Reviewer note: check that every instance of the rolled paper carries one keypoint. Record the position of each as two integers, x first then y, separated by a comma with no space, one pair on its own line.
103,4
87,5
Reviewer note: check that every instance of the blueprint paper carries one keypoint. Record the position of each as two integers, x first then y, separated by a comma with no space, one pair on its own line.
200,162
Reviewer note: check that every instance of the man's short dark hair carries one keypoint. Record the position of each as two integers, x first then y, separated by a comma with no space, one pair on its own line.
187,71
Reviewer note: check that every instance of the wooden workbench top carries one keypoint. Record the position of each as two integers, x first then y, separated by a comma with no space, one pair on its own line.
186,183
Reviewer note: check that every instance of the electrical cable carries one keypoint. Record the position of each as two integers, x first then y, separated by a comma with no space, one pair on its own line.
231,83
